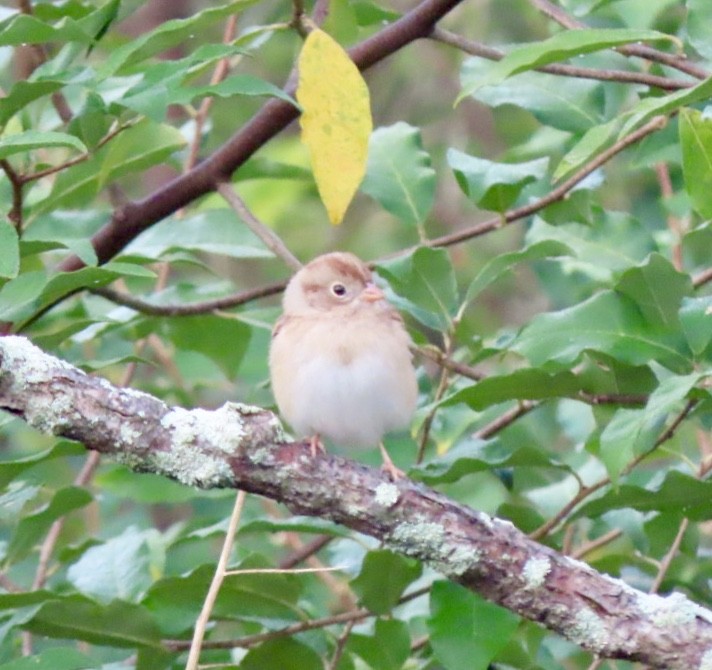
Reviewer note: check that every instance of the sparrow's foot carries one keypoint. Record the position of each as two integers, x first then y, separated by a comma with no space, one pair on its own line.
389,466
316,446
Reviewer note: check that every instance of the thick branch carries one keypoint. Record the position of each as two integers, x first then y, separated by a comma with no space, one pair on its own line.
135,217
243,447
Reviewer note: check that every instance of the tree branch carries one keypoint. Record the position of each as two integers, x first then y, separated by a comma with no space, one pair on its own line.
243,447
135,217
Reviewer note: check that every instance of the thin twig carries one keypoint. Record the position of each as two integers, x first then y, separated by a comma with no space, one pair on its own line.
592,545
267,235
622,76
670,555
15,179
220,571
702,278
559,193
340,646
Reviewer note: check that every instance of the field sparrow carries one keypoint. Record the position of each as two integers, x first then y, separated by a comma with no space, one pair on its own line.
339,360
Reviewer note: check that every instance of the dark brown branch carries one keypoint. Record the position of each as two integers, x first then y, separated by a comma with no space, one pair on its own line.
135,217
243,447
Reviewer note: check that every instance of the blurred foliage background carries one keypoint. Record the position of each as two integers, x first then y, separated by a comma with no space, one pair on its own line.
575,401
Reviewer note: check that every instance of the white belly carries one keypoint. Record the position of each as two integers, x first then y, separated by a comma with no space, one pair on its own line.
352,404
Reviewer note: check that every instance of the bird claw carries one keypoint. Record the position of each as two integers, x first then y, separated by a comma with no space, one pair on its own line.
316,446
389,467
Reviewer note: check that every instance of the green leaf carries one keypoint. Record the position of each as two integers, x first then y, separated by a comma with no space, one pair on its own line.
399,174
10,470
144,487
10,255
699,26
117,569
574,107
648,108
282,653
524,384
294,524
223,340
33,139
383,578
633,432
696,143
612,244
591,144
27,29
676,493
561,46
165,36
474,455
135,149
494,186
658,289
387,649
695,315
24,92
33,527
466,631
57,658
424,282
117,624
22,297
499,265
213,231
607,322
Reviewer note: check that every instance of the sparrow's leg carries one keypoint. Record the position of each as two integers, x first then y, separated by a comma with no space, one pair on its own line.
316,445
389,466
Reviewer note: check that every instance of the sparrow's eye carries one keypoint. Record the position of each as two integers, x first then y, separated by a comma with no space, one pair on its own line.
338,289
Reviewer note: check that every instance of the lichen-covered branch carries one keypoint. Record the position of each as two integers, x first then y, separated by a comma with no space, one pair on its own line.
244,447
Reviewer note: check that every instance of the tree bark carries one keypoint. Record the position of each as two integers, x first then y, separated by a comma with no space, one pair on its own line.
238,446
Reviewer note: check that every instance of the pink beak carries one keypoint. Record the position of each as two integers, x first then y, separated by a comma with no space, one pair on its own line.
372,293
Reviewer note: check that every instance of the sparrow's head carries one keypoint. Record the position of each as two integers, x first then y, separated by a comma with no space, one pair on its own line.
330,281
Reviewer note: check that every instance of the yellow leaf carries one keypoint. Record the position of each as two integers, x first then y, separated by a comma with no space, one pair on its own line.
336,120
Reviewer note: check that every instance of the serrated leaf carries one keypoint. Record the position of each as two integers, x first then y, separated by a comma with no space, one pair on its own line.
27,29
32,527
607,322
383,578
424,282
696,320
34,139
466,631
657,288
561,46
335,121
696,142
494,186
399,173
10,254
573,108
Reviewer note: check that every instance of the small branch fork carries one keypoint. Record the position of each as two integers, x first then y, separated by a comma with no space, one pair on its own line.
243,447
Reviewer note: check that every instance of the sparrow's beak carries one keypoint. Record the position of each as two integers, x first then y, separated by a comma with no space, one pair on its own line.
372,293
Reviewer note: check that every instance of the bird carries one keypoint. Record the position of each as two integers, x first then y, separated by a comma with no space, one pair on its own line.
340,361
